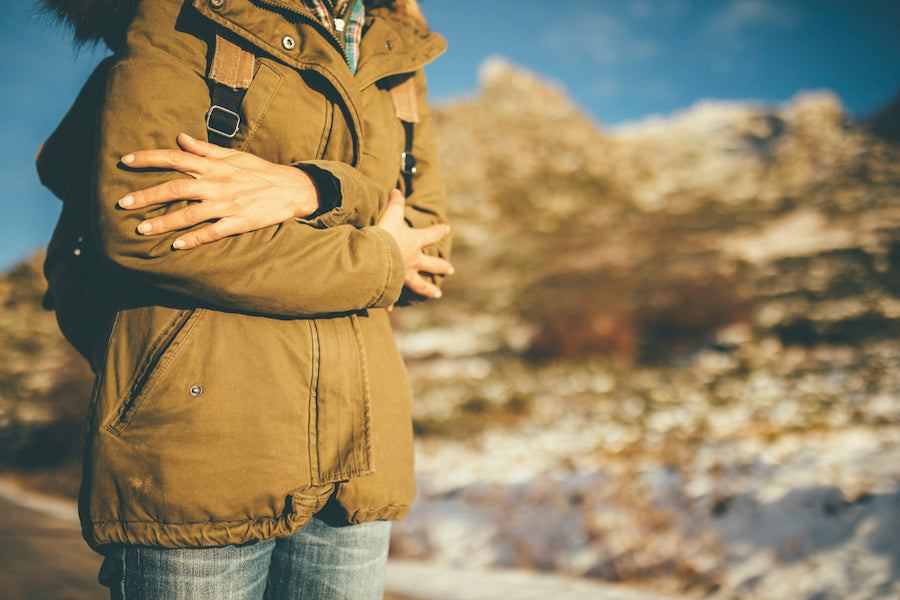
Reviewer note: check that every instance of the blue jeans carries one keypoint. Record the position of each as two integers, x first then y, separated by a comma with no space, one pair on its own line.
318,562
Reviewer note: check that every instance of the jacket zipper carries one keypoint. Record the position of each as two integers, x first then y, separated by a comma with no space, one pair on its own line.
330,36
126,412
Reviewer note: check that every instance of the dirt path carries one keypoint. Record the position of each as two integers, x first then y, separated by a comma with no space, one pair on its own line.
42,555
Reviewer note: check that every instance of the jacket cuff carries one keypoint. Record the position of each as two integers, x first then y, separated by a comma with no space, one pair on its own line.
342,192
394,277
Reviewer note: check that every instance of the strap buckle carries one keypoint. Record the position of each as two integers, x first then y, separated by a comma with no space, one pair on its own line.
407,163
220,120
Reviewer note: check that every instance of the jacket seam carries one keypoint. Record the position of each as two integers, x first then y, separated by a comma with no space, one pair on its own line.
199,68
312,430
262,114
389,269
366,393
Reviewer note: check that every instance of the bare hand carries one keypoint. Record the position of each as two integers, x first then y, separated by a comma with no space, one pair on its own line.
237,191
411,242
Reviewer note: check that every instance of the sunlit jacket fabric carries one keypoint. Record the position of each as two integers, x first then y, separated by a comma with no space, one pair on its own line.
248,381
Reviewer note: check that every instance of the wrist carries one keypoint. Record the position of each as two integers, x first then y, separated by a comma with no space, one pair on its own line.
323,189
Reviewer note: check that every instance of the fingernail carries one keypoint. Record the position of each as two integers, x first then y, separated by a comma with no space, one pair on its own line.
452,270
145,227
187,136
126,201
178,244
128,159
448,228
438,294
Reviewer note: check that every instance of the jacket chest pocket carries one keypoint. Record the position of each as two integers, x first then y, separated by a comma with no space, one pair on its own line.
284,117
340,437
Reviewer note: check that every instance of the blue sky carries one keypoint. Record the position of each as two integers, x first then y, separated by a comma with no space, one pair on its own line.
625,59
619,59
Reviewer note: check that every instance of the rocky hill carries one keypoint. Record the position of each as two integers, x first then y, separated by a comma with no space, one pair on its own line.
711,213
669,355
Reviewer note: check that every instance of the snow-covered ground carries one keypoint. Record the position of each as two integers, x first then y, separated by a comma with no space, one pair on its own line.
809,516
782,483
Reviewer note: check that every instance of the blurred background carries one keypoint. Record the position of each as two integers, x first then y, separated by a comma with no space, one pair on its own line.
669,356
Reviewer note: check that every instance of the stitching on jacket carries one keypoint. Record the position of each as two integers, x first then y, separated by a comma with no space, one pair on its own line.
255,127
154,370
366,392
314,501
327,129
312,441
145,366
390,271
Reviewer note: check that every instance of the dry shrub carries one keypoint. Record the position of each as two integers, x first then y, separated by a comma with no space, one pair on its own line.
584,332
47,455
474,415
618,314
683,314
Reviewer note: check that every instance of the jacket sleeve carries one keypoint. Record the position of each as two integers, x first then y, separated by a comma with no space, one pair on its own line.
361,202
292,269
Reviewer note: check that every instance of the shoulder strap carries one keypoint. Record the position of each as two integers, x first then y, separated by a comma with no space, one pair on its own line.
406,107
230,74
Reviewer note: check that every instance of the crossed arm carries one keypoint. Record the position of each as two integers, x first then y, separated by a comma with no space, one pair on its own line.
235,192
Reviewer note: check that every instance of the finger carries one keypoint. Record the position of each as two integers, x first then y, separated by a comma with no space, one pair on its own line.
434,265
422,286
188,216
200,147
176,160
170,191
210,233
432,235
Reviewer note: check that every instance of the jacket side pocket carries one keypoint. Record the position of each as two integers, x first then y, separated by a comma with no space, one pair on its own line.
161,352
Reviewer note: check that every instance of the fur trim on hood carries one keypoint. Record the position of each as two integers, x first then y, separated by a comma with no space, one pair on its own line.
93,20
107,20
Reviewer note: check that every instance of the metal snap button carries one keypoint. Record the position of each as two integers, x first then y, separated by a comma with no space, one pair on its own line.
288,42
217,3
389,45
196,390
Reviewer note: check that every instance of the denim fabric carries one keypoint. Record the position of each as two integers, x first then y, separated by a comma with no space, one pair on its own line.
318,562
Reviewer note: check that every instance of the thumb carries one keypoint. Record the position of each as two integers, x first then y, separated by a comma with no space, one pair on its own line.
393,212
396,198
199,147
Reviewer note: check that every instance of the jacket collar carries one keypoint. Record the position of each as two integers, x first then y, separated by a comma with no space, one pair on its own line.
391,46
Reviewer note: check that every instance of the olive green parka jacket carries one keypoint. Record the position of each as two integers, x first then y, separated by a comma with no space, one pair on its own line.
245,383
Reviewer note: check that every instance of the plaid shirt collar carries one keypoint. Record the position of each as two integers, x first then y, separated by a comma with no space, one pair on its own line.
347,28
